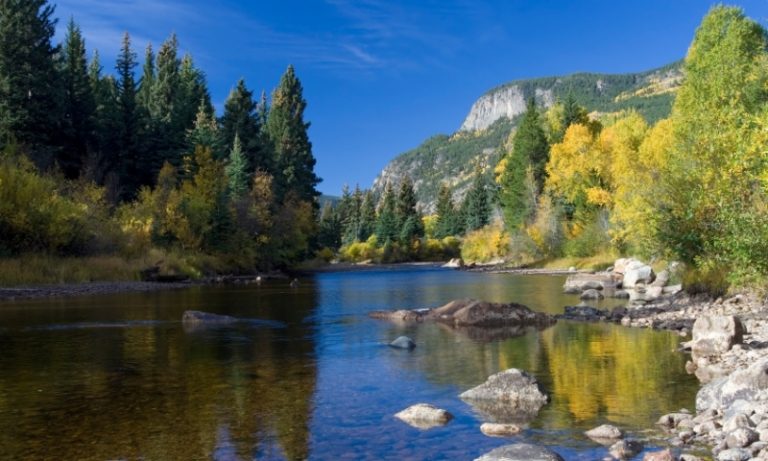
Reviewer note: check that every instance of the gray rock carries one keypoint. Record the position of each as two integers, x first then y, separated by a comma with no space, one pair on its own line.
663,455
591,294
672,420
403,342
734,454
455,263
510,396
714,335
689,457
625,449
662,278
577,283
741,437
424,416
741,384
605,432
636,272
499,430
521,452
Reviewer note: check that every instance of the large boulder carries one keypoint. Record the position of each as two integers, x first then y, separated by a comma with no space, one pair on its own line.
605,434
636,272
510,396
470,312
577,283
424,416
742,384
521,452
714,335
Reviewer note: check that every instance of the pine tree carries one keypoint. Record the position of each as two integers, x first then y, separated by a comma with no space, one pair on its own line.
107,122
386,224
242,117
477,206
409,222
237,170
144,95
192,95
294,162
572,113
205,133
29,83
78,104
367,216
530,150
329,228
446,213
168,138
130,176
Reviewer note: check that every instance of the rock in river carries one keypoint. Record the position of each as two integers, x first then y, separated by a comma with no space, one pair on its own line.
403,342
521,452
424,416
510,396
499,430
605,434
199,317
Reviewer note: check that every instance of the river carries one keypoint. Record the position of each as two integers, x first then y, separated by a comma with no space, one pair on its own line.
309,376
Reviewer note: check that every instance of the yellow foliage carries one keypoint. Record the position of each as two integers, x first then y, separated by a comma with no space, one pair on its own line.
574,164
486,244
598,196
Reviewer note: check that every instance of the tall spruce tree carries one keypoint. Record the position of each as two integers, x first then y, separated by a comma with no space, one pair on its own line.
29,82
409,222
386,224
294,162
169,138
242,118
78,104
107,123
447,219
147,81
192,95
237,170
530,150
477,204
329,228
367,216
128,171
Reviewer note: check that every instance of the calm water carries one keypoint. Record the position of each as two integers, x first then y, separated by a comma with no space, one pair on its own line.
118,377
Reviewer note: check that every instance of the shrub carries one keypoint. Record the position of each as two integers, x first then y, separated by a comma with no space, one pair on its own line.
486,244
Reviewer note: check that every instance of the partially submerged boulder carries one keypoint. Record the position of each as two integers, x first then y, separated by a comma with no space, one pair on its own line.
207,318
521,452
577,283
605,434
471,313
455,263
403,342
510,396
499,430
424,416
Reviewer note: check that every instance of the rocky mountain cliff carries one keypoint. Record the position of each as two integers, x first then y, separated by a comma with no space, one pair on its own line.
452,159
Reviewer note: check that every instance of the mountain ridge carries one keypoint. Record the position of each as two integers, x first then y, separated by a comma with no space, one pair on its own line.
493,116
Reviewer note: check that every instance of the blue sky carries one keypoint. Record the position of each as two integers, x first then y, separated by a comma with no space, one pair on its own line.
380,76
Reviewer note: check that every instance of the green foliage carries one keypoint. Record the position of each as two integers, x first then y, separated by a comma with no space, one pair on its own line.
237,177
242,119
477,204
386,225
592,240
407,216
448,219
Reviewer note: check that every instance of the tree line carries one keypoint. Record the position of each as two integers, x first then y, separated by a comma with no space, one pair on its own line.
142,148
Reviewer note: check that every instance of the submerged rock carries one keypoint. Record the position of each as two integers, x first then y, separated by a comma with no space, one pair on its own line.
200,317
583,312
511,396
521,452
625,449
424,416
403,342
499,430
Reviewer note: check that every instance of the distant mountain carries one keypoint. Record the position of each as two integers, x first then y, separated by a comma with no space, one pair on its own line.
494,115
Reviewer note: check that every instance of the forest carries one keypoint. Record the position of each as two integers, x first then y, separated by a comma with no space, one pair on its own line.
108,174
134,169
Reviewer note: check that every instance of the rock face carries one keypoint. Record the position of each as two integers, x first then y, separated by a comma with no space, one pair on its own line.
424,416
403,342
472,313
715,334
506,102
510,396
521,452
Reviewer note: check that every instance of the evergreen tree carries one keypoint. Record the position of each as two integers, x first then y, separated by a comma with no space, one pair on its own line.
144,95
530,150
205,132
446,214
386,224
572,113
287,130
477,206
367,216
29,83
78,104
242,117
107,123
237,170
351,223
329,229
408,218
168,138
128,138
192,96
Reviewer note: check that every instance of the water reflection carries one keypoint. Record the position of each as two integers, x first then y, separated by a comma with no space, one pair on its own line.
156,392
